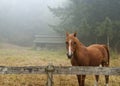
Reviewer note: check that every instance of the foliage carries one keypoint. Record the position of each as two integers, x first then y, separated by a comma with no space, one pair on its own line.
94,20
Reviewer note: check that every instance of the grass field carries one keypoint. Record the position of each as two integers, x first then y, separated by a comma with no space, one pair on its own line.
18,56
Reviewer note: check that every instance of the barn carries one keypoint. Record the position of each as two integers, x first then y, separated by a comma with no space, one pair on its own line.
49,41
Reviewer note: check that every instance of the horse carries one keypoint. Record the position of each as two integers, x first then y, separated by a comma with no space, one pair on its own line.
93,55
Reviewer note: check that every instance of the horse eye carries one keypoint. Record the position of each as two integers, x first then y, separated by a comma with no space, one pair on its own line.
74,43
66,42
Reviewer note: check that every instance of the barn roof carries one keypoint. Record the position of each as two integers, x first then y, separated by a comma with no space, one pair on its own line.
49,39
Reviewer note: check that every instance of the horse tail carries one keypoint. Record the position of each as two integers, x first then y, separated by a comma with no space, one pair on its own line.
108,53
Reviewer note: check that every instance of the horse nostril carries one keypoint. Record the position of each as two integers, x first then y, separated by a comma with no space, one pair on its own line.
69,55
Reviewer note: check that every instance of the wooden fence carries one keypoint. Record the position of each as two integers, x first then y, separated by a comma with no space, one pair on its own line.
50,70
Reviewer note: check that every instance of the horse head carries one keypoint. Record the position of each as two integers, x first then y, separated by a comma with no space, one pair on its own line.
70,44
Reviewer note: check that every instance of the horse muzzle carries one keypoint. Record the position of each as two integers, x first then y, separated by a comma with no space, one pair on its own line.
69,55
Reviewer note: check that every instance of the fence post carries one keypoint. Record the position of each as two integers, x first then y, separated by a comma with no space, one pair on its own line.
49,70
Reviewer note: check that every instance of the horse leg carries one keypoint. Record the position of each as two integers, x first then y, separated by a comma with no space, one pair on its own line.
83,80
107,79
106,76
79,80
96,78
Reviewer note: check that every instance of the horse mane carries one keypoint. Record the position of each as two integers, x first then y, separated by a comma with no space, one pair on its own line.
79,43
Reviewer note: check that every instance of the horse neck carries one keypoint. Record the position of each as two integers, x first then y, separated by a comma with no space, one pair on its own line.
78,54
80,48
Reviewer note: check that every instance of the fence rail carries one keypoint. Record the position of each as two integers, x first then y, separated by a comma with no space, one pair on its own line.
50,70
60,70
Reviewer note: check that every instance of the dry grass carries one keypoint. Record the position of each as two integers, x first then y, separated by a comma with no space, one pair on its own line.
17,56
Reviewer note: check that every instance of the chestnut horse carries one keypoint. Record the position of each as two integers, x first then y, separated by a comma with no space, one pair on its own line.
80,55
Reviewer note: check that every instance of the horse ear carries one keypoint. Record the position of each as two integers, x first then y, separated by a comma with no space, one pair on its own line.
75,34
67,33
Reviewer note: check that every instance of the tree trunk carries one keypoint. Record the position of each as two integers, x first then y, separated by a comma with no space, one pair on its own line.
108,41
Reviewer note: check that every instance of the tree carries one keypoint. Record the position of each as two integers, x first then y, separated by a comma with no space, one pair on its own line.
105,30
90,16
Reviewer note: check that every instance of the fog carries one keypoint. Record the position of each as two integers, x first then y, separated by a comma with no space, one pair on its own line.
20,20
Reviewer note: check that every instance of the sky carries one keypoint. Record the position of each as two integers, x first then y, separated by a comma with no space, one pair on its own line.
21,20
18,14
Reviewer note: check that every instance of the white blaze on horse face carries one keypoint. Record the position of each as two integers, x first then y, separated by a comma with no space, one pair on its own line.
69,48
